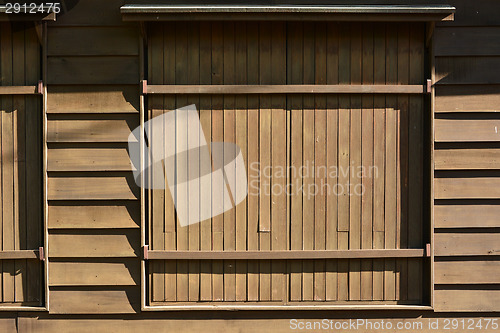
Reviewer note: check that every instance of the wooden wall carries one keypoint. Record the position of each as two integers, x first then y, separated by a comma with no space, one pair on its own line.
466,159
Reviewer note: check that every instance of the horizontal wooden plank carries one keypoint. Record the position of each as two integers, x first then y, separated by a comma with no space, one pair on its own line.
467,41
88,159
93,70
467,272
92,188
467,70
120,214
467,98
462,159
74,130
286,89
467,188
466,244
317,254
67,301
466,216
123,273
467,130
18,90
93,99
19,254
95,245
92,41
463,300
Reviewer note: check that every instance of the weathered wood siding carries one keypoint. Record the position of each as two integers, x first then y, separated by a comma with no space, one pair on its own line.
93,206
21,220
466,219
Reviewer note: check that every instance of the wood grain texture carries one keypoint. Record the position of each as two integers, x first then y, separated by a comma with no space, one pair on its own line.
466,216
89,301
109,214
464,244
467,159
89,159
71,130
120,187
92,273
93,99
103,245
463,300
467,272
467,130
467,188
467,41
467,98
467,70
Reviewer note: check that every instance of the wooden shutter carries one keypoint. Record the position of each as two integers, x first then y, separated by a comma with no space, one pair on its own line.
21,166
382,131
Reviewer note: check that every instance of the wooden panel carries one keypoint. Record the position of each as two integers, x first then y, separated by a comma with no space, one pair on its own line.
88,159
120,187
91,41
8,325
466,216
467,188
467,41
462,159
474,13
93,70
467,272
467,70
69,215
467,98
90,13
123,273
466,300
115,130
122,244
467,130
63,301
463,244
93,99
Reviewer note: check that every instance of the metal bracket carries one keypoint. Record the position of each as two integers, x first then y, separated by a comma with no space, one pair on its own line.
41,253
145,249
40,87
428,250
429,86
144,87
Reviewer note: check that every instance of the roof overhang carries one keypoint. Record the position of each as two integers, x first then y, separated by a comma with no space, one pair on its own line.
389,13
4,16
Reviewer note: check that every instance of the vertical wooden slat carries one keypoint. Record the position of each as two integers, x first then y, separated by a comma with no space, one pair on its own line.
320,166
181,77
193,71
265,158
8,151
205,29
170,237
308,163
278,158
379,160
402,236
253,159
295,51
344,160
415,165
332,77
241,141
367,147
229,136
217,136
355,159
390,162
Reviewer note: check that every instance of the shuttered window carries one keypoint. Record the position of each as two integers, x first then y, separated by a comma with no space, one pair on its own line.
21,219
332,132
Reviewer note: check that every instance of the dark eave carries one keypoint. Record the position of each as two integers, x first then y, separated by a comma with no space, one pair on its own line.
135,12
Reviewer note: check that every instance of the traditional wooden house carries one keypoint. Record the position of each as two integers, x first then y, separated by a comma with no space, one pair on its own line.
392,105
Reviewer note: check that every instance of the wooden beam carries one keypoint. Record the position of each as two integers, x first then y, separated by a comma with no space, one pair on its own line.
19,254
299,254
286,89
19,90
